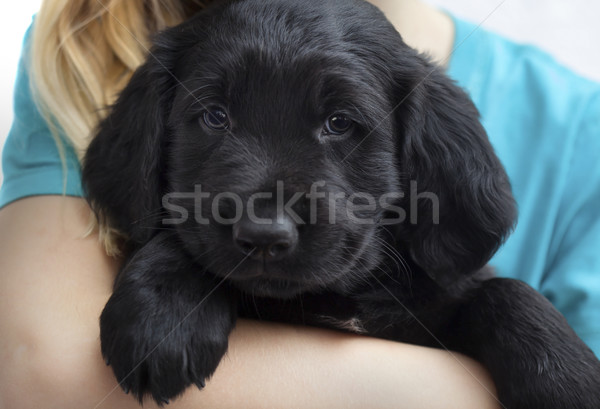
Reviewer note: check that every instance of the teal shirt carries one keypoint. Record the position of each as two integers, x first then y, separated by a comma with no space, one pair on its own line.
31,163
544,122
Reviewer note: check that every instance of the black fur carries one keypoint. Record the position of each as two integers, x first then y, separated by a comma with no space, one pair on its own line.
280,68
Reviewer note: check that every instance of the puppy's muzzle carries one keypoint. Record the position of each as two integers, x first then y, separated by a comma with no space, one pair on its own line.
266,240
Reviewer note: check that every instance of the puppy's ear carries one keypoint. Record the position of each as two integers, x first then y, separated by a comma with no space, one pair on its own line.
465,207
123,169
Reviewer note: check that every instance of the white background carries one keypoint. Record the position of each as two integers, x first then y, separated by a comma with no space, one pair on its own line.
570,30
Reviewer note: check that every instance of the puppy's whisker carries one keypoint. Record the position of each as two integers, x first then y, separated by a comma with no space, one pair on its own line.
361,278
255,306
154,213
302,310
200,100
155,228
363,117
388,251
197,257
395,255
357,258
177,84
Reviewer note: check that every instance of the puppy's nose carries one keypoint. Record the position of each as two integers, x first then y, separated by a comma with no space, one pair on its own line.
266,241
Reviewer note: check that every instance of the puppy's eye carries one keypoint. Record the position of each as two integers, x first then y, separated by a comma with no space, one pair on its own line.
337,124
216,119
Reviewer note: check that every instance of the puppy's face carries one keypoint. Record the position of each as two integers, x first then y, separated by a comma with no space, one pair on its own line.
283,140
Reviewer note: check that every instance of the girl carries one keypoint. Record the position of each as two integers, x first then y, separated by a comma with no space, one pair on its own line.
542,120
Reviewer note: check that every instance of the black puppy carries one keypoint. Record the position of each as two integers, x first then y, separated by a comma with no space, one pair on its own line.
296,161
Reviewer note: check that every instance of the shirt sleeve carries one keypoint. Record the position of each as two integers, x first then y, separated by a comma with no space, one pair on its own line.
572,281
31,162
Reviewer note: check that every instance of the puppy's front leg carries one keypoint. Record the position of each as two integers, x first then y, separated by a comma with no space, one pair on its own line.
167,322
536,360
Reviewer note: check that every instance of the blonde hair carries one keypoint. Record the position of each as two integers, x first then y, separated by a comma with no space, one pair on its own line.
83,53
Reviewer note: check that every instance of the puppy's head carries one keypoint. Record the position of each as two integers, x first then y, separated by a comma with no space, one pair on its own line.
286,143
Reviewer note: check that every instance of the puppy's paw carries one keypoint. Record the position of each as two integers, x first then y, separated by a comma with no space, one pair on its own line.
162,351
555,383
561,375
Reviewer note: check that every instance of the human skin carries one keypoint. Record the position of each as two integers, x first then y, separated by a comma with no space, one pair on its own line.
421,26
54,282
